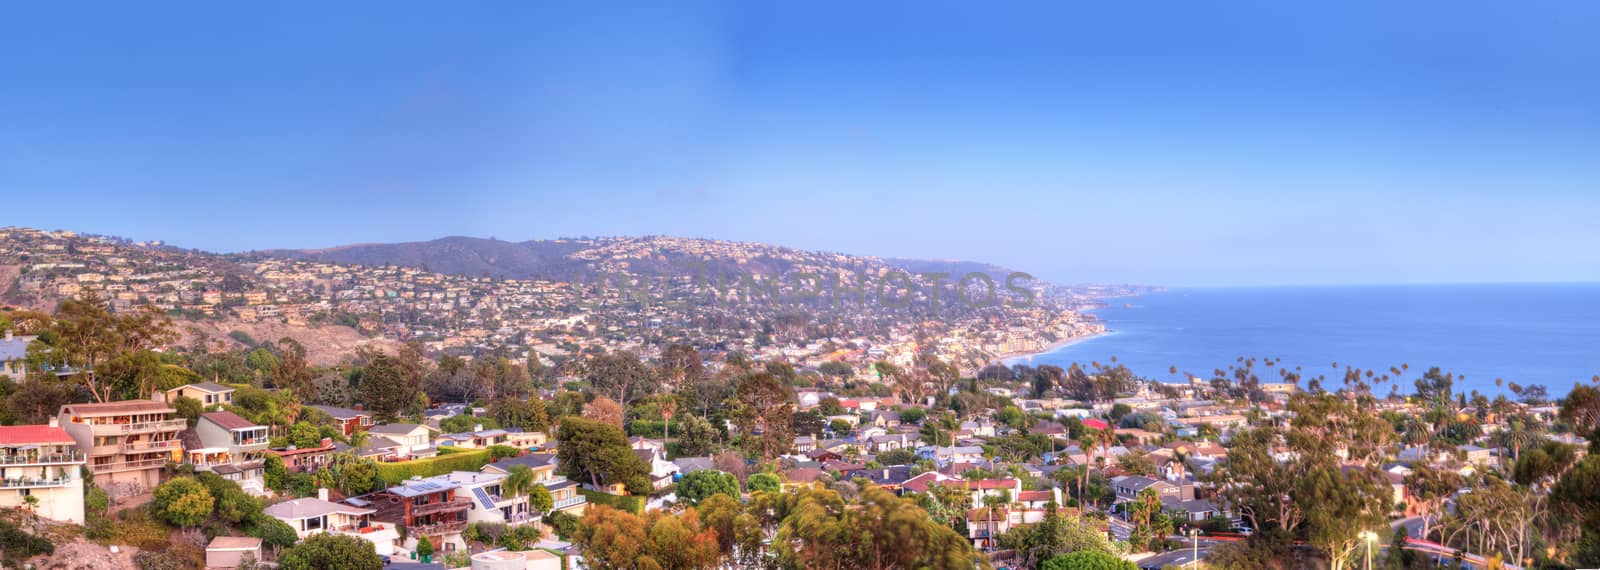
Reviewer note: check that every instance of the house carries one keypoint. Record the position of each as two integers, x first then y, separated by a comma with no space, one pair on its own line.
230,446
350,421
563,493
1128,488
225,552
1475,455
800,477
654,454
1038,499
14,356
411,441
882,443
41,461
985,524
1006,489
429,507
887,477
823,455
947,455
310,516
305,459
207,393
490,502
126,443
1192,510
804,443
921,483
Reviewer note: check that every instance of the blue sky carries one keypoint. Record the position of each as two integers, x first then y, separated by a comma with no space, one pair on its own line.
1176,143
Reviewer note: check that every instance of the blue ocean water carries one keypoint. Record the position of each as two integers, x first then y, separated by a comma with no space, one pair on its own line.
1528,334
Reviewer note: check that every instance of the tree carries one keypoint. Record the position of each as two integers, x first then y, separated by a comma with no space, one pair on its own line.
763,409
189,409
530,414
182,502
539,499
696,436
1088,560
698,485
1429,487
323,551
1339,506
604,410
274,532
1051,537
877,531
839,427
897,457
425,549
912,415
293,371
390,386
763,482
620,376
613,539
830,406
809,422
599,453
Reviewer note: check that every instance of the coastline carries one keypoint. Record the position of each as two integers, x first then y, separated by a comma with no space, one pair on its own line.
1015,358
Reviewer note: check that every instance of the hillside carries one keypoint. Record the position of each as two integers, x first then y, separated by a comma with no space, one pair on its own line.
569,259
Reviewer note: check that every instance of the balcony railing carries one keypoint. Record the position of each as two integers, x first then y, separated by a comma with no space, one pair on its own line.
126,465
554,479
47,459
116,429
564,503
439,529
138,446
34,482
450,506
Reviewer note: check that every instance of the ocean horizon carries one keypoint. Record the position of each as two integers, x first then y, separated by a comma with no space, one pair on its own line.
1545,334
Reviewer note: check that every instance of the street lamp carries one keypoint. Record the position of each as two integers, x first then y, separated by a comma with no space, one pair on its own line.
1194,540
1369,537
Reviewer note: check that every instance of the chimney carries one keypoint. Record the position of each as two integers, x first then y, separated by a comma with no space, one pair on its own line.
322,493
1057,492
158,396
327,442
477,427
55,421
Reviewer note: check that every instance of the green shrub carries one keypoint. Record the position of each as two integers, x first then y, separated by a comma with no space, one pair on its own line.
633,504
393,473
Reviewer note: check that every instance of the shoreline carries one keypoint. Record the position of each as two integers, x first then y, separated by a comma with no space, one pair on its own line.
1012,359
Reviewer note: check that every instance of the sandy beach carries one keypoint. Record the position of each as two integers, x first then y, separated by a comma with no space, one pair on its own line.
1026,357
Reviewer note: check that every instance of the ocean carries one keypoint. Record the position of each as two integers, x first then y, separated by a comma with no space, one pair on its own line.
1528,334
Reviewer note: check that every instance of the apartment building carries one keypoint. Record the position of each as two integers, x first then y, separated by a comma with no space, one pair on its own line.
42,462
426,508
490,501
125,443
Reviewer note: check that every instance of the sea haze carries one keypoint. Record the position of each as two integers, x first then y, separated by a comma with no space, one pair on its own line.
1528,334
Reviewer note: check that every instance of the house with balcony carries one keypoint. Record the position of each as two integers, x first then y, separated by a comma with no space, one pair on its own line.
563,492
230,446
429,508
490,502
481,438
125,443
310,516
305,459
43,462
349,421
211,395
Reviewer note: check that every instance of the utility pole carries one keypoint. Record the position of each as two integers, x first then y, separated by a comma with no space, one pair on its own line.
1194,540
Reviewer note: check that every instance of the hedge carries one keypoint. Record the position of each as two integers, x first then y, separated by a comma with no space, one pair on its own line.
632,504
464,460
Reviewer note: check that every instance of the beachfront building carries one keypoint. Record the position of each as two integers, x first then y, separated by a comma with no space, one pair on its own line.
125,443
41,462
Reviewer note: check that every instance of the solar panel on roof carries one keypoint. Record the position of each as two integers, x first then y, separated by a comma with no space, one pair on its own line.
483,498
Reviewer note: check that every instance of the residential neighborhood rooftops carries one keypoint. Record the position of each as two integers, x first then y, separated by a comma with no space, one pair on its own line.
118,408
341,413
229,420
34,434
312,507
211,387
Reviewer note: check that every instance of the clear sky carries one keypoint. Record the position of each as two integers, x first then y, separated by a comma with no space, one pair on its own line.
1160,142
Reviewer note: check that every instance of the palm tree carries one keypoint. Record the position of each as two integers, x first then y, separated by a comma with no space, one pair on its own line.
1180,462
519,482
